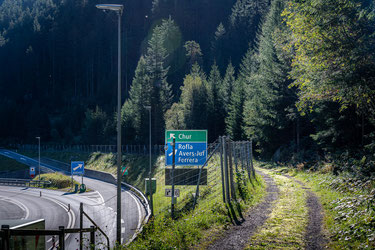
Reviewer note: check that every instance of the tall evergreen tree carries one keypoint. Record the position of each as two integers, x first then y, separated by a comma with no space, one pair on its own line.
227,86
134,114
191,112
234,121
216,110
268,94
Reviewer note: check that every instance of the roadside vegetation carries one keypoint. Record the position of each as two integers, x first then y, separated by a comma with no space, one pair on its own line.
199,227
348,202
349,205
7,164
58,181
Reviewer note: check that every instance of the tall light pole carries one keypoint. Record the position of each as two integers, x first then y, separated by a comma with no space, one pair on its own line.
118,8
39,157
150,171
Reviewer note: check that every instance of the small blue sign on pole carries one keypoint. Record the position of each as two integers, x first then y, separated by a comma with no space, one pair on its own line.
32,172
77,167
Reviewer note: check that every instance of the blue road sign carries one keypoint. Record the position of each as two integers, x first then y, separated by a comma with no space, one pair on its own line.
78,167
32,172
187,154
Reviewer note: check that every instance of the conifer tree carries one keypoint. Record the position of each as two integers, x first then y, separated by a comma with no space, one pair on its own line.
215,104
234,121
133,112
268,94
227,86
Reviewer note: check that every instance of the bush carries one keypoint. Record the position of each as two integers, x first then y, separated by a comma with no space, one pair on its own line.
57,180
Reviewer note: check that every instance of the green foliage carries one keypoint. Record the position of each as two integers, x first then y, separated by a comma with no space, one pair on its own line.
191,228
97,127
192,109
193,52
334,57
134,114
349,208
226,87
216,110
242,182
57,180
268,98
234,121
7,164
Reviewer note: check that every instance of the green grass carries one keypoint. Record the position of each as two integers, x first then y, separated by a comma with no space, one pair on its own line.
58,181
7,164
349,206
192,228
285,227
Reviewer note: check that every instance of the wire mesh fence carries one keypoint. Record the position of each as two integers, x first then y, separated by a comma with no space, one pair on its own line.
126,149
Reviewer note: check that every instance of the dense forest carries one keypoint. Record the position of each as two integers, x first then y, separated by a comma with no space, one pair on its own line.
296,77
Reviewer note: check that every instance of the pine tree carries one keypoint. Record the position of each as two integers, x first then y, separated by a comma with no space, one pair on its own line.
268,94
234,121
134,114
216,110
191,112
227,86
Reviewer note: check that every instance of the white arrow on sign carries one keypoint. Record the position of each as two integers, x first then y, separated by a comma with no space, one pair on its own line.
175,152
79,166
171,136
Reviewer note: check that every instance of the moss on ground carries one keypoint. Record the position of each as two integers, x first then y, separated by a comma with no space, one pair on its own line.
286,225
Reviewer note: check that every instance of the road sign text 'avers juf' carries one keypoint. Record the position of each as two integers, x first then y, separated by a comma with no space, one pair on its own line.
190,149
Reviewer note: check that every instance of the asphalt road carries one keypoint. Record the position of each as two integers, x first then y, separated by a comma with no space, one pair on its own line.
100,205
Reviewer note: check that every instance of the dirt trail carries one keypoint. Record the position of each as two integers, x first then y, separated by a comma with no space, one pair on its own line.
315,239
237,236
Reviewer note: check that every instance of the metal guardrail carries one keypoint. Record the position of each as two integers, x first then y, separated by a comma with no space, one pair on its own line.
22,182
145,203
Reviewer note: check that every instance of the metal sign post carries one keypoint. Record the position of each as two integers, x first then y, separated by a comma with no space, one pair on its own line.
173,165
78,168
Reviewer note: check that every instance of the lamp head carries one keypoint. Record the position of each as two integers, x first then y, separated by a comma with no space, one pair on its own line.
114,7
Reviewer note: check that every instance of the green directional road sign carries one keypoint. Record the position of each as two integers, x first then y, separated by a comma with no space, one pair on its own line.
190,148
186,136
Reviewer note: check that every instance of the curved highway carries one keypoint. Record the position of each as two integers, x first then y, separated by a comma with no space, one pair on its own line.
62,209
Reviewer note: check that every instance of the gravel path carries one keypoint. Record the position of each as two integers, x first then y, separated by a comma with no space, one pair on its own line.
237,236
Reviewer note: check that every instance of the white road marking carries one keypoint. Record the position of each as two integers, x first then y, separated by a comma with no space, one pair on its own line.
18,204
101,197
139,211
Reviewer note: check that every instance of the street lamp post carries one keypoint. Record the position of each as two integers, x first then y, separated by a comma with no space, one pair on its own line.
118,8
39,158
150,171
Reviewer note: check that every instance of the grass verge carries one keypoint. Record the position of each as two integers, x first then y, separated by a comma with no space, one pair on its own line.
58,181
349,206
7,164
285,228
192,228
